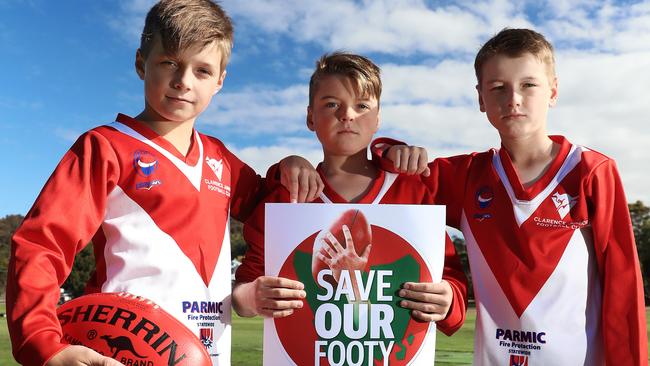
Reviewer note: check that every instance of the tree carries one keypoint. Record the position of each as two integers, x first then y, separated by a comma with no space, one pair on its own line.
8,226
82,269
237,244
640,215
461,250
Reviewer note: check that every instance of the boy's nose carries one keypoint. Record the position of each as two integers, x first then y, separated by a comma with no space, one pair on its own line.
181,80
514,99
345,114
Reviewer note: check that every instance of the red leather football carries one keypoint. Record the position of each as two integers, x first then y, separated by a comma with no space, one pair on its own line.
359,230
130,329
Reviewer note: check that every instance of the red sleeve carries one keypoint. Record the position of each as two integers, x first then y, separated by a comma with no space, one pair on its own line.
446,182
377,149
623,309
65,216
454,274
253,263
248,188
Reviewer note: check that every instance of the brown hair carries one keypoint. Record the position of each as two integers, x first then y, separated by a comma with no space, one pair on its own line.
514,43
181,24
364,74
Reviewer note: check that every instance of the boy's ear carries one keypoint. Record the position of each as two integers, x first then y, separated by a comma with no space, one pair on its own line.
222,77
139,64
554,90
481,105
310,119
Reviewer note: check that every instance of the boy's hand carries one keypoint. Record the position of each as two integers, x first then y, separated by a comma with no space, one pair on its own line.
271,297
300,178
430,302
409,159
80,356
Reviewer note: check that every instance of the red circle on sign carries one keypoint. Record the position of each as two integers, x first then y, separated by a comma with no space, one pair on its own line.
297,332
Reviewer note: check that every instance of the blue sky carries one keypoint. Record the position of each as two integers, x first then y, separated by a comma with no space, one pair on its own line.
67,66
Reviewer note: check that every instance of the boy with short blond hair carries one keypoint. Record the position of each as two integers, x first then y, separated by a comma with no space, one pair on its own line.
344,113
152,194
550,242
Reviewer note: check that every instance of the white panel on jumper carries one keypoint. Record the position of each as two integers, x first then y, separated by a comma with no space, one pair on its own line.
558,328
524,209
144,260
193,173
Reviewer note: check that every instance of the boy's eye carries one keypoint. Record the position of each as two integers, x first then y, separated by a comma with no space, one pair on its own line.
529,85
168,63
205,72
496,87
363,106
330,105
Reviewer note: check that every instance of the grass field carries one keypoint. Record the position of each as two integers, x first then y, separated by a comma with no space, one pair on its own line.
247,343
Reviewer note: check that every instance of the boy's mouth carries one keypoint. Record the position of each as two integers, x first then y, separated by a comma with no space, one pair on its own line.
177,99
513,116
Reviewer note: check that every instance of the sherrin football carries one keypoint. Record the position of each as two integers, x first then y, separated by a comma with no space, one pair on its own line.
359,230
130,329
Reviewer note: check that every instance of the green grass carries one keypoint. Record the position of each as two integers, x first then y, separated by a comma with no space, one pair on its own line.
247,342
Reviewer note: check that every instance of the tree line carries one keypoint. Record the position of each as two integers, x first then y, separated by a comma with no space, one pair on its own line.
84,262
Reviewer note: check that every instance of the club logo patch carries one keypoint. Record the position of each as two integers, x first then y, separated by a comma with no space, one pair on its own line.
145,163
563,203
215,165
206,335
371,330
484,197
517,360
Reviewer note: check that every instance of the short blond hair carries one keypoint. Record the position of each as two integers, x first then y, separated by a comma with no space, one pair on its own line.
363,73
514,43
182,24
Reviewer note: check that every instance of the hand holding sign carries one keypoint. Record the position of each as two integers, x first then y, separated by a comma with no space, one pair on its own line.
430,302
271,297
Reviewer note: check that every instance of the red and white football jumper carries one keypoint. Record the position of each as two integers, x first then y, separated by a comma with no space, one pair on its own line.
554,266
158,221
388,188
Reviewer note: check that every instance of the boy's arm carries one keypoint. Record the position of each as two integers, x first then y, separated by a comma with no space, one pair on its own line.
249,188
299,177
62,221
254,293
623,309
396,157
453,273
446,177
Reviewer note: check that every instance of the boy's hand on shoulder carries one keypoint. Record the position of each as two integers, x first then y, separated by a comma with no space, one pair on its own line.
430,302
409,159
80,356
274,297
301,179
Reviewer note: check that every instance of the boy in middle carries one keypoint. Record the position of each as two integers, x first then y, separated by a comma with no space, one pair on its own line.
343,111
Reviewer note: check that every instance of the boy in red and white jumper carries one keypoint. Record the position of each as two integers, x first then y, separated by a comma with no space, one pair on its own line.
344,113
153,195
554,265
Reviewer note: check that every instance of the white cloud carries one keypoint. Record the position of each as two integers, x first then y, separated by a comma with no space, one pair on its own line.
392,27
260,109
603,54
261,158
129,20
449,82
